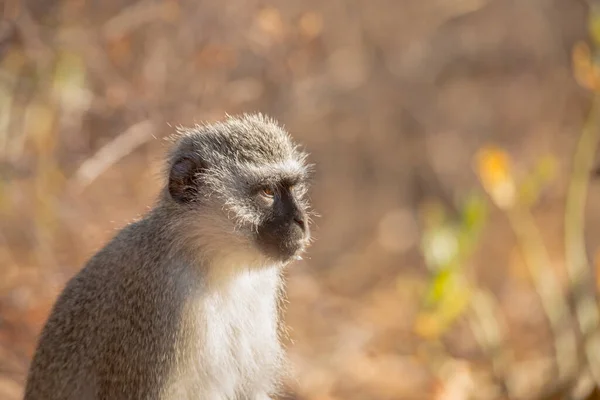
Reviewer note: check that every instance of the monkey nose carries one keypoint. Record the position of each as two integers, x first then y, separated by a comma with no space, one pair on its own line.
300,221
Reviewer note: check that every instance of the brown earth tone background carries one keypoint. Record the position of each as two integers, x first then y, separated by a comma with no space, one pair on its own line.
392,98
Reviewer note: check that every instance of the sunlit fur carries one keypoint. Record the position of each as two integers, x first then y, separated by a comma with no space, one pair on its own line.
181,304
250,150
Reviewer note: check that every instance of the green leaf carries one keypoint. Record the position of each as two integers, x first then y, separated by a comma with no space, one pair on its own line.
474,212
439,286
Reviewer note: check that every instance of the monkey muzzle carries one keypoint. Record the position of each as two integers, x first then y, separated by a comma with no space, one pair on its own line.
284,238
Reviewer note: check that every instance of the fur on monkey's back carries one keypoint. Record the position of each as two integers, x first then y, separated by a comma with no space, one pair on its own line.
125,329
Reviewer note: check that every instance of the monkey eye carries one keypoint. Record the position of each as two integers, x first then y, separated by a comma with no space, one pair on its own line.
267,192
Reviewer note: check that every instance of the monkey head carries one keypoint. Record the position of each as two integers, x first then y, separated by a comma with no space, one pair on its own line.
241,185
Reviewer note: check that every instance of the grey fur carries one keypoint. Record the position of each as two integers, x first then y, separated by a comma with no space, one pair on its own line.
183,303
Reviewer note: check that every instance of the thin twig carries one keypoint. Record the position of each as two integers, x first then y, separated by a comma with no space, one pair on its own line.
548,289
578,266
490,332
118,148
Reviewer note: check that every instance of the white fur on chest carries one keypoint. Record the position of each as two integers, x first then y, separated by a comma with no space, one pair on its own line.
237,350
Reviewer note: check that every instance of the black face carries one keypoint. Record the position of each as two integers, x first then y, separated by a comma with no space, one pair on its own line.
284,231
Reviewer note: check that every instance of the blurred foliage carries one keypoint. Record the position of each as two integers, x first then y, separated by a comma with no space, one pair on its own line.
447,245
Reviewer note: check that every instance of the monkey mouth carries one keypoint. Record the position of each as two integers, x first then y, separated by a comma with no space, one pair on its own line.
282,248
285,250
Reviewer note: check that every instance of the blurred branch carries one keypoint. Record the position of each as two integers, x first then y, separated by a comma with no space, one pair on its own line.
548,289
490,333
578,266
585,63
135,136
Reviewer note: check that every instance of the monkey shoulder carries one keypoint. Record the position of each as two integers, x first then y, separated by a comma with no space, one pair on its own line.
114,324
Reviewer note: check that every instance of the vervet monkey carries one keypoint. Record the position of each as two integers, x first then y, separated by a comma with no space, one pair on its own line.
183,303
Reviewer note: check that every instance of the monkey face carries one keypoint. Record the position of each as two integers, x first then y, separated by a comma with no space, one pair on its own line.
242,183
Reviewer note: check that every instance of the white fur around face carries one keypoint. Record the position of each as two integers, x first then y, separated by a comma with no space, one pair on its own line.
234,351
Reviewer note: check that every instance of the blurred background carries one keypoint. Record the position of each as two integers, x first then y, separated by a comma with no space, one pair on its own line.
455,150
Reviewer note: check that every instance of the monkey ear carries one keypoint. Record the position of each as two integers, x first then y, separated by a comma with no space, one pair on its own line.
184,178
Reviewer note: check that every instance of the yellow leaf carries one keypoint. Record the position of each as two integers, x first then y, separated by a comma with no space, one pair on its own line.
455,303
582,56
493,166
586,74
427,326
